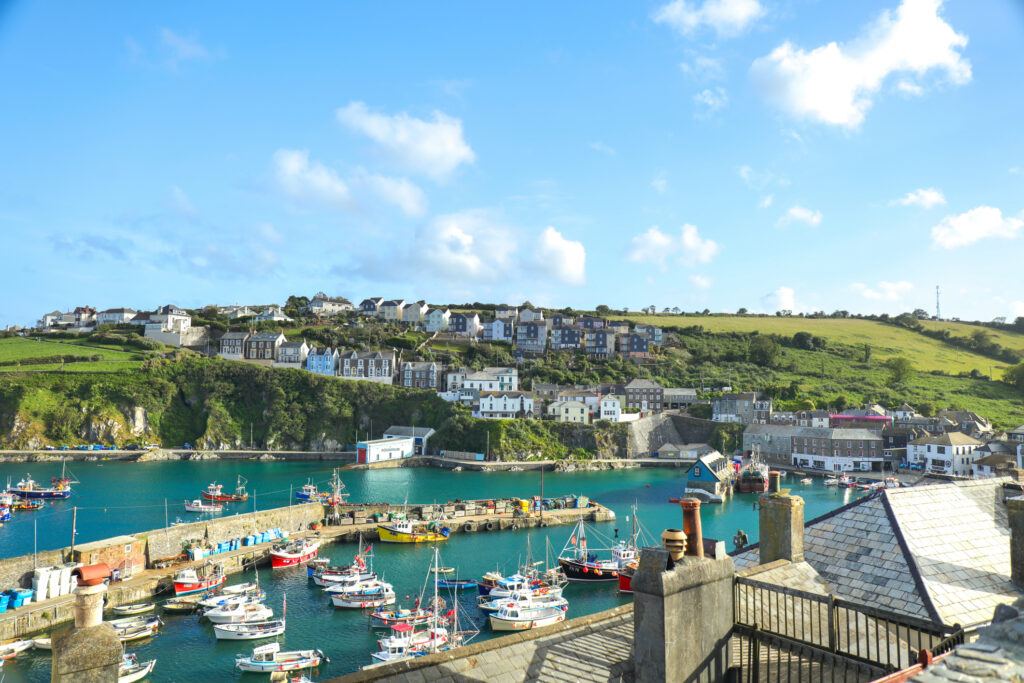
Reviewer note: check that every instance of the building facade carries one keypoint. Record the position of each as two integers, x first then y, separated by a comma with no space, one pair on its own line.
644,395
425,375
837,449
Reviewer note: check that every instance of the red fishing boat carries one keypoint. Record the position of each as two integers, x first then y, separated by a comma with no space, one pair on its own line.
626,577
198,579
294,553
215,491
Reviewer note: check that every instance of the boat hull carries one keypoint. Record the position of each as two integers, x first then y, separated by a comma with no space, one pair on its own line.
225,497
389,535
577,571
625,582
282,663
362,602
41,493
280,559
752,486
137,672
187,587
231,632
499,624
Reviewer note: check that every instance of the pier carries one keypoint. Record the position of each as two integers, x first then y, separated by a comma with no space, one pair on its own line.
346,523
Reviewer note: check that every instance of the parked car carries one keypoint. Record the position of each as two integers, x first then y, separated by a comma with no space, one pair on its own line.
110,447
50,448
97,447
132,447
83,447
187,446
64,447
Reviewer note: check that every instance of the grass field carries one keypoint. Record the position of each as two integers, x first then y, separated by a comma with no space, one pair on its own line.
86,366
1010,340
886,340
14,349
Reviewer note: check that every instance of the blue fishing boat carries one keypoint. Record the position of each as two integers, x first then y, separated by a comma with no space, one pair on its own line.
456,584
28,488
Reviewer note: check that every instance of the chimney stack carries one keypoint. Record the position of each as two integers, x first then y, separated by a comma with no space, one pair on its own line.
781,520
1015,515
90,651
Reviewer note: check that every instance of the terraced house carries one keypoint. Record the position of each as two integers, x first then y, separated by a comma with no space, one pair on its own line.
464,324
232,345
644,394
322,361
504,405
565,338
837,449
436,319
391,311
599,344
532,337
502,330
292,355
372,366
421,375
262,346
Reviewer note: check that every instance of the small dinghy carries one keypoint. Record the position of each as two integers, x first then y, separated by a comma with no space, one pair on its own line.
137,608
442,570
240,588
42,644
806,480
131,669
9,650
133,622
269,658
249,631
187,604
240,613
456,584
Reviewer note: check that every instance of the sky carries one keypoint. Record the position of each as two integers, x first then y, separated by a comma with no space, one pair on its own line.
765,154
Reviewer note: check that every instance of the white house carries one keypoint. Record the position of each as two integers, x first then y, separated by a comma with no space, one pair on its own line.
504,405
115,316
413,313
529,315
171,319
611,408
436,319
327,306
292,355
273,313
508,312
391,311
950,453
500,329
488,379
591,399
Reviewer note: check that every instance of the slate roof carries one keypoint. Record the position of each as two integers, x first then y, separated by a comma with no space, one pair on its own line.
234,335
643,384
939,552
948,439
422,432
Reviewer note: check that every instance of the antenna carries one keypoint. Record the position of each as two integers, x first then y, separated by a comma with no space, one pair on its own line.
938,314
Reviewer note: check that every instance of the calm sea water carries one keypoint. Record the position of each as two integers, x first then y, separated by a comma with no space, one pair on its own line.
119,498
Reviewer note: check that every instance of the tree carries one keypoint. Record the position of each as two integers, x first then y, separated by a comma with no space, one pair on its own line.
920,314
603,310
840,402
1015,376
926,408
675,309
1018,323
764,351
803,340
900,369
742,311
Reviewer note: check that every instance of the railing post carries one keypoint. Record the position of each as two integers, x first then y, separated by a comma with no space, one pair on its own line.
755,653
832,636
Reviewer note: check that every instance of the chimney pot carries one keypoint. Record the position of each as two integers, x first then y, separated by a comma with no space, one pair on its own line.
774,481
692,527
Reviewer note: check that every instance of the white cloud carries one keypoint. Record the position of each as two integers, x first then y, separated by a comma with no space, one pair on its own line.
599,146
711,100
782,299
435,148
563,259
798,214
660,184
703,69
726,17
181,203
270,234
300,178
909,88
401,192
766,201
700,281
971,226
835,83
926,198
1018,308
760,180
179,48
884,291
1014,169
467,245
658,248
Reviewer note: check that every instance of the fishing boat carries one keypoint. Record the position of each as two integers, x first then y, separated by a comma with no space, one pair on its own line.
28,504
240,613
294,553
376,596
353,584
753,478
513,618
5,513
892,483
198,579
60,487
131,669
215,492
198,505
269,658
443,570
496,586
406,531
382,618
10,650
580,562
136,608
325,575
309,491
456,584
407,641
214,601
524,600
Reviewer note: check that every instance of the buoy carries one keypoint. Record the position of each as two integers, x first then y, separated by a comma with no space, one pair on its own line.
648,486
615,573
585,570
598,572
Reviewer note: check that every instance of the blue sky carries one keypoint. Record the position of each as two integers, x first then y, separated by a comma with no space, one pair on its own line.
702,154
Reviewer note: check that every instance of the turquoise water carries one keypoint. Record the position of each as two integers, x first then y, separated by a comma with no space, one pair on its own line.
117,498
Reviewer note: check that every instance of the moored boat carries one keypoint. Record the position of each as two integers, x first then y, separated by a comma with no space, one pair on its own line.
28,504
188,603
9,650
42,643
198,505
512,618
383,618
269,658
211,601
580,562
249,630
136,608
456,584
405,638
523,601
405,531
28,488
240,613
198,579
376,596
294,553
131,669
309,491
216,492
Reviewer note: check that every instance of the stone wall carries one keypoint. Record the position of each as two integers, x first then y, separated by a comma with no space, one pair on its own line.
165,543
17,571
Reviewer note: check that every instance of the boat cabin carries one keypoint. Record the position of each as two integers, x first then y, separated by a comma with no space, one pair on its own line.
266,653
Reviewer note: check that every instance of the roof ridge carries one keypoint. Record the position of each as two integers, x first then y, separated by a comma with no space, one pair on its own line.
908,556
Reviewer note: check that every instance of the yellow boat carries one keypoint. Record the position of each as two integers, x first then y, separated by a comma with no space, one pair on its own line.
404,531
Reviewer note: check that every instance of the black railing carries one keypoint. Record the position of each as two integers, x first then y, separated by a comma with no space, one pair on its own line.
880,640
761,657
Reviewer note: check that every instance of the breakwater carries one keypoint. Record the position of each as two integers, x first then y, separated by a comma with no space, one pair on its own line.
165,549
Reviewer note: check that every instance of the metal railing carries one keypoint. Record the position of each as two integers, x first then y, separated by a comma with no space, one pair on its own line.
795,622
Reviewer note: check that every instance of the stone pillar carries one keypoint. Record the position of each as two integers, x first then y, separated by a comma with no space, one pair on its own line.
682,617
781,527
1015,515
90,651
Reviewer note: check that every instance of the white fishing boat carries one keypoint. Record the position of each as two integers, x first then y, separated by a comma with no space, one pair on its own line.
249,631
351,584
131,669
9,650
405,638
198,505
220,600
240,613
511,618
269,658
136,608
378,595
524,601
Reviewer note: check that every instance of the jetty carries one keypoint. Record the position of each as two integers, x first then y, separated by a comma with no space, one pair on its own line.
163,552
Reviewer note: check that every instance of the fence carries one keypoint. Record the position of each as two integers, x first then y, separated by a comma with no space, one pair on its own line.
785,633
